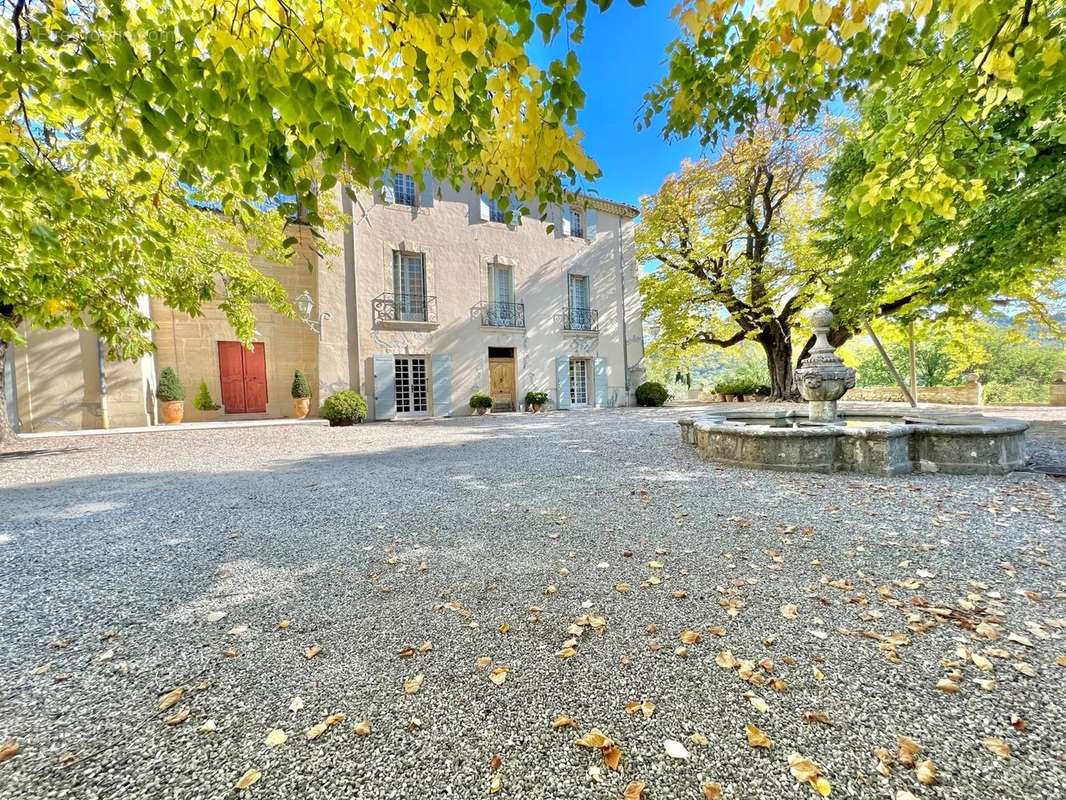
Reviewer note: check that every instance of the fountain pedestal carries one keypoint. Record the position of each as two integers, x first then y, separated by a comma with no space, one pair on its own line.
822,378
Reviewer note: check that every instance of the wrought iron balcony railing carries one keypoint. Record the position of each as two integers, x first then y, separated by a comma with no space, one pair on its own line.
580,319
502,315
392,307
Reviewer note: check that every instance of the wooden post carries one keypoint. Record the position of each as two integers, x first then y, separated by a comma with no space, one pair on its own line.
891,366
913,360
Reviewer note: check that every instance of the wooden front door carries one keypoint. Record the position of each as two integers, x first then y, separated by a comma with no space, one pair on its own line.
502,383
243,377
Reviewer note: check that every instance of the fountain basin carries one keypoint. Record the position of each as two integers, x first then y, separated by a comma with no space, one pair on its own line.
873,441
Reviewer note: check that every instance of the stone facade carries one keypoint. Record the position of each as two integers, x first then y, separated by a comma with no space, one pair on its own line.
56,375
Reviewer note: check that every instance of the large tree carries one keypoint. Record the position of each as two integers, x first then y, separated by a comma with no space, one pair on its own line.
950,194
732,241
114,112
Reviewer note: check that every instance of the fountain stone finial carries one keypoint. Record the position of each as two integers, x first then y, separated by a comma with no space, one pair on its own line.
822,378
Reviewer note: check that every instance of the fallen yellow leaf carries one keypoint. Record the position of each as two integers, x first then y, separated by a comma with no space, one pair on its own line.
498,675
908,751
612,756
634,791
594,738
412,685
926,772
700,739
9,749
712,791
275,738
312,651
691,637
177,719
563,721
171,697
997,746
790,611
247,779
362,728
756,738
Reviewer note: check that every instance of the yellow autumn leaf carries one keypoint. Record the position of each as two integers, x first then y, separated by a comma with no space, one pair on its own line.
691,637
675,749
498,675
247,779
998,746
171,697
612,756
312,651
926,772
563,721
634,791
756,738
712,791
594,738
362,728
412,685
275,738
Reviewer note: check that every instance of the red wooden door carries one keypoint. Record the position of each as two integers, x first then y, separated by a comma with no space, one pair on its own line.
255,378
243,377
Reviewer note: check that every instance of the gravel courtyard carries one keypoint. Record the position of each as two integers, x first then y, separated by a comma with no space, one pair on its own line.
532,570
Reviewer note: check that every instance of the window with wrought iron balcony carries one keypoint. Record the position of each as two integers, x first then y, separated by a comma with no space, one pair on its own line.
501,310
579,317
408,305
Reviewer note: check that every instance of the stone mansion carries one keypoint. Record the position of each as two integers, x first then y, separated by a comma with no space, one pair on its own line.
430,297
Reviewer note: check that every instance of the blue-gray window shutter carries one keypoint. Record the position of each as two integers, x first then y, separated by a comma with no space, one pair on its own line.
442,385
425,200
562,380
599,369
388,191
591,222
384,387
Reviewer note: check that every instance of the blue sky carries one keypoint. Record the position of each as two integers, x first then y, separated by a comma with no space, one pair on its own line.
622,56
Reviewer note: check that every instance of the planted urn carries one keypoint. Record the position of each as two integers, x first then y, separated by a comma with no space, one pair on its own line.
822,378
170,393
301,395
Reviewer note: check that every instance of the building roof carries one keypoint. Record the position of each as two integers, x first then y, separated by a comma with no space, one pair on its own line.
609,206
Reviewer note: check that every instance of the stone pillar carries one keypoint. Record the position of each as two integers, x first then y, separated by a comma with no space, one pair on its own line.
1058,389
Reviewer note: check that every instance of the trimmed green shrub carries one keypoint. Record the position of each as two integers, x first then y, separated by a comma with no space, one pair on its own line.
344,408
203,400
169,387
480,401
536,399
740,384
300,387
651,393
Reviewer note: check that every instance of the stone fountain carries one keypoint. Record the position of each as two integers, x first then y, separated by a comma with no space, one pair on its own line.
822,378
874,440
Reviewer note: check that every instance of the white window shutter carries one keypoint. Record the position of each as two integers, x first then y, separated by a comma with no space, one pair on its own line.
599,369
442,385
591,222
388,191
425,200
564,226
384,387
562,381
484,208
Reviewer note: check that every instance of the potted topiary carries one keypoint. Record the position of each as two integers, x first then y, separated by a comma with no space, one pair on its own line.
480,403
301,395
171,396
204,402
651,393
344,408
535,401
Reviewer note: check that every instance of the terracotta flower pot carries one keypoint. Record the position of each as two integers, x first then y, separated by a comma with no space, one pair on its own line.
300,407
173,411
481,411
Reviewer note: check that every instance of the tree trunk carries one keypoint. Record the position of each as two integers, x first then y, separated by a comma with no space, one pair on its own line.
776,342
7,433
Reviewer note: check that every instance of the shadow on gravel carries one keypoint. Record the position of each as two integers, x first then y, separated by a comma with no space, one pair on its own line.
22,455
